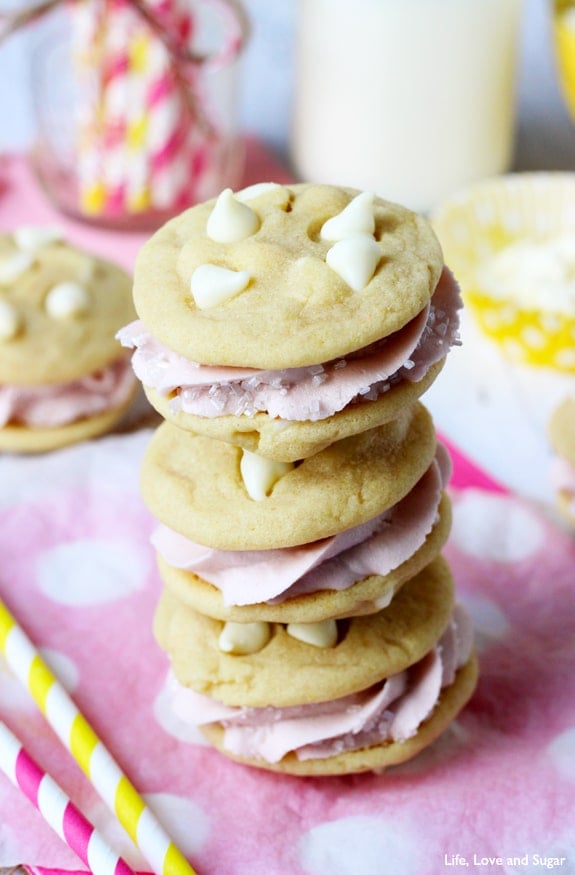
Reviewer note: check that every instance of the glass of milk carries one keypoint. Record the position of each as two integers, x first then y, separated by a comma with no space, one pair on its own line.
409,98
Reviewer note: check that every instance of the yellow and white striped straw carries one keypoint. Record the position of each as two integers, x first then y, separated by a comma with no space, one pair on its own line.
88,751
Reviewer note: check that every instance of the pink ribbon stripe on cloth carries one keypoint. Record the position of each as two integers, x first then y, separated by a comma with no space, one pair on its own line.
78,571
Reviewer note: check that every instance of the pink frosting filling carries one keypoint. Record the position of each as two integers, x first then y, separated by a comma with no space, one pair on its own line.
390,711
306,393
50,406
247,577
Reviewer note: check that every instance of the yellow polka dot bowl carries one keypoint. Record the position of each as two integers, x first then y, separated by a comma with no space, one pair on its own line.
510,242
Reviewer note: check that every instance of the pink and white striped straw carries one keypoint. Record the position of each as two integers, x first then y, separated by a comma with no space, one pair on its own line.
57,809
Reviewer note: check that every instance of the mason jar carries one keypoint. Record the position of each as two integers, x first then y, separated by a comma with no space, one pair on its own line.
130,130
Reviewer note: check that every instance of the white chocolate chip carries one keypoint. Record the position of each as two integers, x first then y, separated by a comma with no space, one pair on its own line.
354,259
252,191
13,266
322,634
30,238
10,321
356,218
211,284
260,474
67,299
382,602
231,220
242,638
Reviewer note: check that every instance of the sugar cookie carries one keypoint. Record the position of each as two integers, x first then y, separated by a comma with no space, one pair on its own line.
63,377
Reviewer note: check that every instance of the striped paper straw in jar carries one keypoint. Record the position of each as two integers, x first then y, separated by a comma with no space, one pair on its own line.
145,139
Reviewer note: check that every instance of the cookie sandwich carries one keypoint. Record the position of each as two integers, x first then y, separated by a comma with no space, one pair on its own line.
334,698
561,432
334,536
286,335
338,310
62,377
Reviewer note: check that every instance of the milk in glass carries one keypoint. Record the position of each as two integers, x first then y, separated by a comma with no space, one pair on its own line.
409,98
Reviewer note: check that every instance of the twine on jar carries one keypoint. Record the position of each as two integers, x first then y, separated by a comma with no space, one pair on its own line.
184,62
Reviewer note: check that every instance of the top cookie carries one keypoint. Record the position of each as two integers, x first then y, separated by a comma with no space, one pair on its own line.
297,288
60,309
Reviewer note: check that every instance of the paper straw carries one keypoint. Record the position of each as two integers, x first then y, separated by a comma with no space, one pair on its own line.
57,809
138,142
88,751
150,137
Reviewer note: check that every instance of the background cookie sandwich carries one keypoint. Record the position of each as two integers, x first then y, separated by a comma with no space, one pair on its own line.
561,431
62,376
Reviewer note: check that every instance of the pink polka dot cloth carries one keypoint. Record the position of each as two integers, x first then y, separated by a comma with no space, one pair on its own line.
495,794
79,573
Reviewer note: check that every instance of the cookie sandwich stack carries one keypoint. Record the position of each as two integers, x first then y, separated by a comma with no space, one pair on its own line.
285,334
